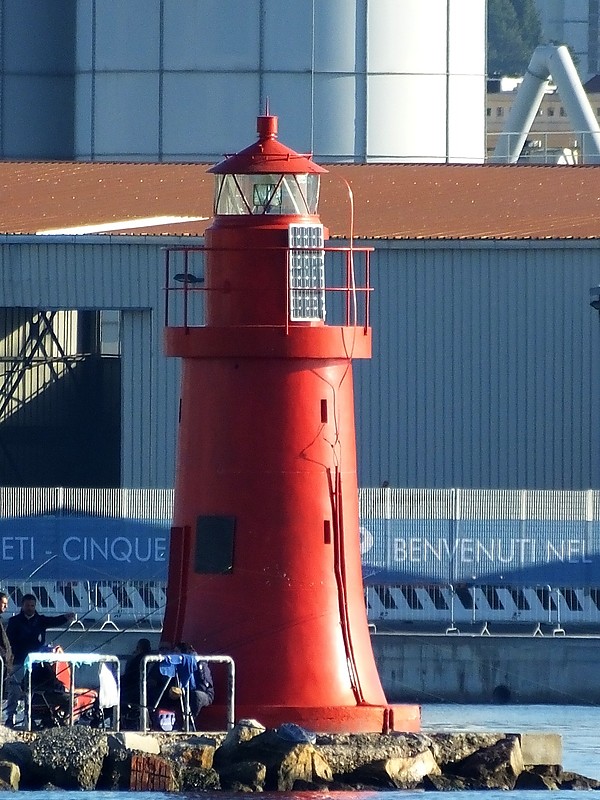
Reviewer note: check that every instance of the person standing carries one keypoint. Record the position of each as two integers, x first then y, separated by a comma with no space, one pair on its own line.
5,648
7,658
26,632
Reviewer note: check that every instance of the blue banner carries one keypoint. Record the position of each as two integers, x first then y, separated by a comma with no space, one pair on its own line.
394,551
511,552
83,548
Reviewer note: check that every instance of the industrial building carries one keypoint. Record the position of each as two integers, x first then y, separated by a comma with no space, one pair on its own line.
486,368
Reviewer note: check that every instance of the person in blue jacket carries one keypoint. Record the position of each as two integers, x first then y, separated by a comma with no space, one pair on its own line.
202,691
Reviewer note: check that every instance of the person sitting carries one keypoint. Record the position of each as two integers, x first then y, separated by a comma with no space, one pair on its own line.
50,699
163,693
131,683
202,690
179,675
130,679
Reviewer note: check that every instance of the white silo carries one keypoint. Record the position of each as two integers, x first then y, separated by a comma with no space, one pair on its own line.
350,80
379,80
426,80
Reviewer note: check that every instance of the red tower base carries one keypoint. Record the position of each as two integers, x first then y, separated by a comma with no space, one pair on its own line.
335,719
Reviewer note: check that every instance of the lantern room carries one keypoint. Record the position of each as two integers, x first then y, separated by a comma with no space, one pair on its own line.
267,178
266,199
266,193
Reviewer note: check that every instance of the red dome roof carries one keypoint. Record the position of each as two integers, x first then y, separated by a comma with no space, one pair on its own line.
266,155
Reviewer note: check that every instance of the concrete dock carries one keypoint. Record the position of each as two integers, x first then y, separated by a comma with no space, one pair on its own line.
474,668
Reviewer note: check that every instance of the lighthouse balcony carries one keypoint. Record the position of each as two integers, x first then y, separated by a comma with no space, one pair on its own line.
304,285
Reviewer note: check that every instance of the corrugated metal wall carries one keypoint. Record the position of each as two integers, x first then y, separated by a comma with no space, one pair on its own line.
485,367
485,373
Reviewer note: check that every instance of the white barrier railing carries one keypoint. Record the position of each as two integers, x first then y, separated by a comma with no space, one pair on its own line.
132,605
96,603
452,605
227,660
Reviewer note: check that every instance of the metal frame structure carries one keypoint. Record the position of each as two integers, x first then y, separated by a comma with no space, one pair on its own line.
219,659
74,660
184,279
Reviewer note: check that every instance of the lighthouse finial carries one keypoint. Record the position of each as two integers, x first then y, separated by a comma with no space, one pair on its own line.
266,125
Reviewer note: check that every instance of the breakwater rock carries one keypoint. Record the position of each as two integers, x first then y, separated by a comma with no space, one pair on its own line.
252,759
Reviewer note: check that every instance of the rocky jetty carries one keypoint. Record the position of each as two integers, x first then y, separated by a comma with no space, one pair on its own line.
252,759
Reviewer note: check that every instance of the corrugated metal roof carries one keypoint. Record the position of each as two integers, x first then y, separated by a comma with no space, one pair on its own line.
391,201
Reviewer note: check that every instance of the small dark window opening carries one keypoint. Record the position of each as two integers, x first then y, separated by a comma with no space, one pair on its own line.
214,545
323,411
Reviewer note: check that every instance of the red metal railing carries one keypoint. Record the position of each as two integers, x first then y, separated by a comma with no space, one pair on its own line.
181,279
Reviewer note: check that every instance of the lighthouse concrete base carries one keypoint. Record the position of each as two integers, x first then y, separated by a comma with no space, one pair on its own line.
335,719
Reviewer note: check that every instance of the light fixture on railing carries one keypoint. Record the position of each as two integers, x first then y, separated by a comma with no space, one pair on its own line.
187,277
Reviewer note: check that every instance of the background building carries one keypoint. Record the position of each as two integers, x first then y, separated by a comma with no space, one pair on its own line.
183,80
552,138
485,371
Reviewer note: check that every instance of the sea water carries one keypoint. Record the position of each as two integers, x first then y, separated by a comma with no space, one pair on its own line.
579,727
387,795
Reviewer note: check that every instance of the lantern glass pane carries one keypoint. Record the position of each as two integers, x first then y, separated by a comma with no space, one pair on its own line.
268,193
229,198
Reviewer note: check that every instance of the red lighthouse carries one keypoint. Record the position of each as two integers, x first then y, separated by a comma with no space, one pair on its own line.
265,560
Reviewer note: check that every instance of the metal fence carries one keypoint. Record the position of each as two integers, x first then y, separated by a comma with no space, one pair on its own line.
188,721
71,661
446,556
534,608
98,605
